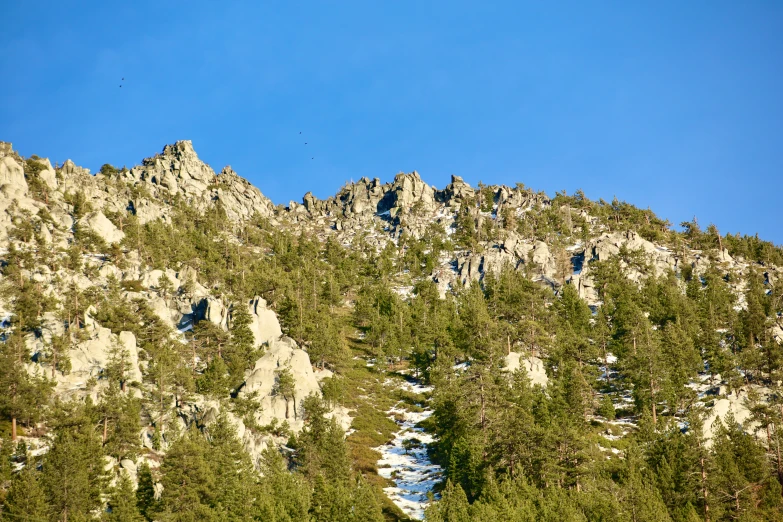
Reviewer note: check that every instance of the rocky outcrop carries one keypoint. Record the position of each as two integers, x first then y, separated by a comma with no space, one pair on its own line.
410,194
456,191
282,354
533,366
100,225
609,245
264,324
89,359
178,170
12,180
738,405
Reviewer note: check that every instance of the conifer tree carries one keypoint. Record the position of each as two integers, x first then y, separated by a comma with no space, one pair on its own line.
643,501
122,501
145,492
188,479
452,506
6,453
73,473
284,496
26,499
365,505
741,483
234,477
20,392
240,353
285,386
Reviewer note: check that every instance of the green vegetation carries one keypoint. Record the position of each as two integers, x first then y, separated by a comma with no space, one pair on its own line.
618,433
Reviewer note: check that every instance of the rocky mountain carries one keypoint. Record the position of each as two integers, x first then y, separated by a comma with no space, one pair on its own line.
220,305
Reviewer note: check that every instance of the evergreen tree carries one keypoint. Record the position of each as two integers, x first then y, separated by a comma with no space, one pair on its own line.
145,492
741,483
365,505
643,501
240,352
452,506
26,500
188,479
285,386
234,476
122,502
20,392
285,496
72,470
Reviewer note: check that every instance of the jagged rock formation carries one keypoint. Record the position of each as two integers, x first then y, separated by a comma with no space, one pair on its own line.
45,196
368,211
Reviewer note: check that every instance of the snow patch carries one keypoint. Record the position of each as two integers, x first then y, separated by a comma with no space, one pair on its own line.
405,461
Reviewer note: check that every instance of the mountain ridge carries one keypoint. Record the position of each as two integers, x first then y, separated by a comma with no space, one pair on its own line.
180,300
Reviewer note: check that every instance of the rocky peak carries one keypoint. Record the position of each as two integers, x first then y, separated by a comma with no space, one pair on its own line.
181,149
457,189
69,168
407,191
6,149
177,164
227,172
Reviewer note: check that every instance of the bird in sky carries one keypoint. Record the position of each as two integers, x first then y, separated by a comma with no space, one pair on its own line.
123,79
305,143
120,86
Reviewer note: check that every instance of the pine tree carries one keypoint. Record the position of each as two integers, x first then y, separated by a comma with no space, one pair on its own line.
145,493
20,392
240,353
452,506
26,499
188,479
331,501
284,496
365,505
6,452
122,501
120,423
73,473
234,477
643,501
741,483
285,386
215,381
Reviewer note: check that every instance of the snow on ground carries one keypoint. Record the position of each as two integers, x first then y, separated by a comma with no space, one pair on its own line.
461,366
404,460
185,327
406,292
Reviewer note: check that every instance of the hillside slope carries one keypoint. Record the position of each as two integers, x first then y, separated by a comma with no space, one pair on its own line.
208,355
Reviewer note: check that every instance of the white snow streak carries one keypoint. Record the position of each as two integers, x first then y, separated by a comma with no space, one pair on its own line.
411,470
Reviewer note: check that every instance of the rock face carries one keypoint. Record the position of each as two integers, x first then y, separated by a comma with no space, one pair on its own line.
178,170
532,365
144,190
12,181
368,211
608,245
90,357
265,326
100,225
282,354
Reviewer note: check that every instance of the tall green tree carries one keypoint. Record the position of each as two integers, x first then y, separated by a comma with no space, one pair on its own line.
72,470
26,499
122,502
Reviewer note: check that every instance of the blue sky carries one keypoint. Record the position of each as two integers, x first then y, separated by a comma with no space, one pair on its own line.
673,105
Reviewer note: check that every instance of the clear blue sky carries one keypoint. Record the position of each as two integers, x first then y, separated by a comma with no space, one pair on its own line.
673,105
